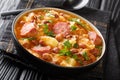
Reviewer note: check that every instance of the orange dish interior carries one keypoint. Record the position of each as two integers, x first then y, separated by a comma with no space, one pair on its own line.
58,37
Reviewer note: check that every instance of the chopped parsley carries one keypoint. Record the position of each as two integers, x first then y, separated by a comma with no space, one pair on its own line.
47,31
76,58
76,20
80,61
65,52
67,44
73,28
30,38
99,47
75,45
85,55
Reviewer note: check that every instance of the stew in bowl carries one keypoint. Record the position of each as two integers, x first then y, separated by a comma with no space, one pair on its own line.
59,37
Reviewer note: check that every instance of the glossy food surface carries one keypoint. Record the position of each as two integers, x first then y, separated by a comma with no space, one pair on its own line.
58,37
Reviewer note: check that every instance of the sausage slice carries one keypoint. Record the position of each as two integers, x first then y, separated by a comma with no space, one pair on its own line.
61,27
95,38
41,50
28,30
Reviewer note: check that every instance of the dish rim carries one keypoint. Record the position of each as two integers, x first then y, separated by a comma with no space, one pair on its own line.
69,12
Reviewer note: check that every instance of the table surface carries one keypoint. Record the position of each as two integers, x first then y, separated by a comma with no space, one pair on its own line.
110,73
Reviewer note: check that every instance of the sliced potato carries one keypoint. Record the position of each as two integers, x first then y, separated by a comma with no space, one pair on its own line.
70,62
49,41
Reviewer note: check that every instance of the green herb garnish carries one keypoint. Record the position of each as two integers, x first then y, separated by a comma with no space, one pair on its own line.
73,28
47,31
76,20
65,52
75,45
30,38
67,44
79,22
80,61
76,58
85,55
99,47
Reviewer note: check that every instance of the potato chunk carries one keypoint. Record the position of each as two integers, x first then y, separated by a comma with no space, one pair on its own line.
70,62
49,41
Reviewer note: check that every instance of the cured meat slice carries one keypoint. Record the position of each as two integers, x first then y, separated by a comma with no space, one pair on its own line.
95,38
28,29
61,27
